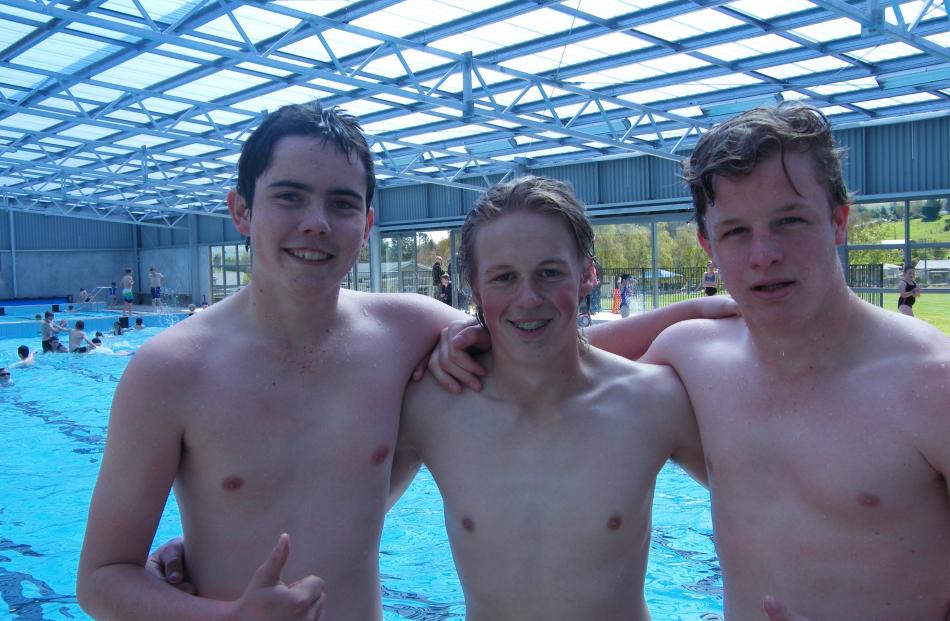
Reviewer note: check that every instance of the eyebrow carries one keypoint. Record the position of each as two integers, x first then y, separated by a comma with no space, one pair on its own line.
783,209
297,185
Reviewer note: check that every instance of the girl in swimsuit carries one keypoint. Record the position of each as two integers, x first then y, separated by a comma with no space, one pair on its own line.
908,291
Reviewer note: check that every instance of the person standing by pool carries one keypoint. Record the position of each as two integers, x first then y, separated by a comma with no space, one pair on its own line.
48,331
626,294
284,438
547,474
128,296
156,280
112,295
908,291
711,279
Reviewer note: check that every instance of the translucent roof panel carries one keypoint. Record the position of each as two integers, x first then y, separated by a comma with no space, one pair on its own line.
155,98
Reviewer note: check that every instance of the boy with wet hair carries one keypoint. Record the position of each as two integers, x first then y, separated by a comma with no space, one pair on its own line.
547,475
823,418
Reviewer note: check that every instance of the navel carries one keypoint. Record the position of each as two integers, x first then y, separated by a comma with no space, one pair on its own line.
468,524
615,522
869,500
379,455
232,483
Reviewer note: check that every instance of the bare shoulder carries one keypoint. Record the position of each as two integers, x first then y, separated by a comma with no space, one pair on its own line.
645,382
684,337
411,320
407,308
170,365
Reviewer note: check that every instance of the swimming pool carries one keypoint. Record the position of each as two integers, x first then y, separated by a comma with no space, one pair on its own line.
53,427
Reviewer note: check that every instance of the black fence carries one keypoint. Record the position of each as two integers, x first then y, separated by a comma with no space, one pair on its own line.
672,284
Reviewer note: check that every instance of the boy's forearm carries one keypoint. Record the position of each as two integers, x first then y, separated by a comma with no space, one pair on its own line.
631,337
125,592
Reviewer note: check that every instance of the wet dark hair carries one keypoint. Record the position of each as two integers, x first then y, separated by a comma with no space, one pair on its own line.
735,147
332,125
23,351
97,341
48,315
535,194
80,324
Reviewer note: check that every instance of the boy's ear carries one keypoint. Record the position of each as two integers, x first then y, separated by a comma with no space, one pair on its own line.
839,216
588,278
240,213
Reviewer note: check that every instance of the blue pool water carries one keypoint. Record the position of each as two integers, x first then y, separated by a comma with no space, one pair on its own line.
52,429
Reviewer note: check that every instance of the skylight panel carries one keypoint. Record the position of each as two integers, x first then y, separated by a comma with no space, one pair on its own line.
552,151
408,17
675,63
829,31
391,66
105,33
193,150
217,85
888,51
142,140
768,10
309,47
24,79
277,99
11,32
162,10
144,70
21,154
512,31
405,122
346,43
686,26
258,68
227,118
63,104
188,53
159,105
95,93
608,9
324,7
846,86
690,111
804,67
748,48
87,132
255,29
911,10
127,115
28,122
53,140
63,53
466,42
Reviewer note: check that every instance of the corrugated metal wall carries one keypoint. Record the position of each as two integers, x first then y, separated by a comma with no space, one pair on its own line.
39,232
883,159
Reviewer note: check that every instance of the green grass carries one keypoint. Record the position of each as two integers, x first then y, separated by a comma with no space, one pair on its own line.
934,309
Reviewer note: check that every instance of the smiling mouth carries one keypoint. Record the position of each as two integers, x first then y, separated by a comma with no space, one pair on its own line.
530,326
775,286
308,255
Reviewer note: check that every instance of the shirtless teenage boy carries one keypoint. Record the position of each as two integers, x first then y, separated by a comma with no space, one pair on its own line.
829,472
547,474
275,434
